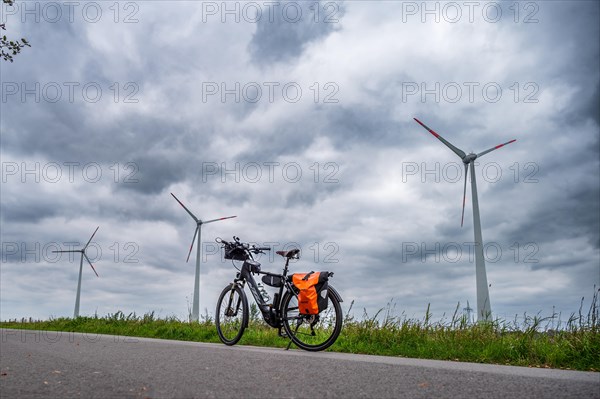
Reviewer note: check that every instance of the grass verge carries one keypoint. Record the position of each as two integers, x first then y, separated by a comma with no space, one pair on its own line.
572,345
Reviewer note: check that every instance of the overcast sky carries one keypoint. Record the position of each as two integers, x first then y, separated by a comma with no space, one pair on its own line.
298,118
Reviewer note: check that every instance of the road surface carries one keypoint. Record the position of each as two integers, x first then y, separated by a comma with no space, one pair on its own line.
65,365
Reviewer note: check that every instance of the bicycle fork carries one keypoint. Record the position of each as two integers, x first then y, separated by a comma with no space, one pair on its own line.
230,310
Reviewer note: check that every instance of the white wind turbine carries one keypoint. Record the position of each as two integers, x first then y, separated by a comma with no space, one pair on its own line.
83,255
199,223
484,309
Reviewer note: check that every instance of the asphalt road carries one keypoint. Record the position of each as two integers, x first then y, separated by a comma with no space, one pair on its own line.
65,365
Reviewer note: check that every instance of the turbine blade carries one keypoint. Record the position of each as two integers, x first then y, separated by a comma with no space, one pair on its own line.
192,246
71,250
495,148
93,268
462,217
187,210
456,150
88,243
216,220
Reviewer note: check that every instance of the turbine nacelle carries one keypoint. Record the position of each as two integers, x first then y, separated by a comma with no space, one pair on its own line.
469,158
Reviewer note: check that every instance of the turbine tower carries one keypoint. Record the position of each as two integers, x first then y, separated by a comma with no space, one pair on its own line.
83,255
199,223
484,309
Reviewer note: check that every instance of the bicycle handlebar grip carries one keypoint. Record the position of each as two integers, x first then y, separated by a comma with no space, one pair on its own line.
263,248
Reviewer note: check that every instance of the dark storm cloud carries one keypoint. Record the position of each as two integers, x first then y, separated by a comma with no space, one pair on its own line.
293,26
155,172
18,211
570,215
360,123
592,109
56,131
290,138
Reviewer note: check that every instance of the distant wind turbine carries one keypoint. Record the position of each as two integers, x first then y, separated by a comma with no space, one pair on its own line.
484,309
83,255
469,310
199,223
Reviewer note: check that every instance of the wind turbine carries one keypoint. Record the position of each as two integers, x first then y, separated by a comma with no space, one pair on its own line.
199,223
484,310
469,310
83,255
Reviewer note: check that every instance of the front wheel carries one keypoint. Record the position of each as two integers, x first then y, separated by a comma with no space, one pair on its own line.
312,332
232,314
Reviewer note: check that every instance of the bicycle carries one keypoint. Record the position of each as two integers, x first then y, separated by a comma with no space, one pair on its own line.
311,332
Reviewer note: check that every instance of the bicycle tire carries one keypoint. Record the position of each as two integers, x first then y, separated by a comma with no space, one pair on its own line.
231,321
326,326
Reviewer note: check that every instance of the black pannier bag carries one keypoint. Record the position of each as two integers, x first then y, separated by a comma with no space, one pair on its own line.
234,252
272,280
323,290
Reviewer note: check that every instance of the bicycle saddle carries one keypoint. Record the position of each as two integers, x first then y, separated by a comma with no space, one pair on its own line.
292,253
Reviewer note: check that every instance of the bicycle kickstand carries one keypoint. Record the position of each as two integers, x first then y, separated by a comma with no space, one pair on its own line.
295,331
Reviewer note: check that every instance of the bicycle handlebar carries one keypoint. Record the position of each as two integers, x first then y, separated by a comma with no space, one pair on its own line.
243,245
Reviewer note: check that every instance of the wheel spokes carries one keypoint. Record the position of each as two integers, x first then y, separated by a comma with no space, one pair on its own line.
230,316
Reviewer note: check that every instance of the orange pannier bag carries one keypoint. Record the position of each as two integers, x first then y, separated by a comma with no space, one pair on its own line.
312,295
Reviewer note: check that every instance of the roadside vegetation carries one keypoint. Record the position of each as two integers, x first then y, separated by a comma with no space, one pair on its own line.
535,341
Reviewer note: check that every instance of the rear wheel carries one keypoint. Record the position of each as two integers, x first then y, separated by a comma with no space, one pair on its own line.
232,314
312,332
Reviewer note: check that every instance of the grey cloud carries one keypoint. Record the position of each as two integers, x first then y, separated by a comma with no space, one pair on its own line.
574,214
152,174
26,212
293,26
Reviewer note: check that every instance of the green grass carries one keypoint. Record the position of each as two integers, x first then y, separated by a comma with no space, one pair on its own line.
574,344
577,346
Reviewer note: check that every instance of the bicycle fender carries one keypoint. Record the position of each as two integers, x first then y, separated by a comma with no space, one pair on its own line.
335,293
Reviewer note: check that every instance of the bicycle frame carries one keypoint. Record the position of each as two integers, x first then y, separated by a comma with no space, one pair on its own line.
270,313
